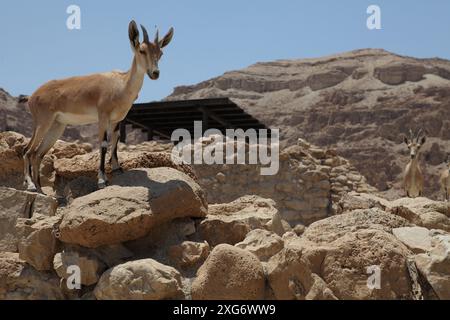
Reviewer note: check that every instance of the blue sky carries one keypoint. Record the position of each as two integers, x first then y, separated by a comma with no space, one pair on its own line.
211,37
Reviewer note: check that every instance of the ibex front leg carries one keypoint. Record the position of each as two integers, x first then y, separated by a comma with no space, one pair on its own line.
103,139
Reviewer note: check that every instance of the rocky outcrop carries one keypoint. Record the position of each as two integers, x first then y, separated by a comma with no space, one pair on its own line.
333,228
231,222
262,243
12,146
139,280
434,265
87,165
290,278
229,273
423,212
19,281
37,241
15,204
419,211
137,201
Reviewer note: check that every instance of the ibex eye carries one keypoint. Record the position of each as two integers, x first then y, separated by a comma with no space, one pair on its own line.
141,51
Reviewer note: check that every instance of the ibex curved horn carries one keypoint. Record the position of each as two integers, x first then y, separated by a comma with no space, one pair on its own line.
157,37
145,33
419,133
411,135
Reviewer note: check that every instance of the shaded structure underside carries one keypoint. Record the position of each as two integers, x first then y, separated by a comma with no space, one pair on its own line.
162,118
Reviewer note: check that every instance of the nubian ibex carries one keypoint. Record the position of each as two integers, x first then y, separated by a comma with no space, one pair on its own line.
103,98
413,176
445,179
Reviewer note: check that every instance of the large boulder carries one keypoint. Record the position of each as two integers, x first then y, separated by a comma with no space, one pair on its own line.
87,164
138,201
435,265
231,222
419,211
290,277
423,212
15,204
229,273
346,262
262,243
417,239
332,228
19,281
144,279
37,241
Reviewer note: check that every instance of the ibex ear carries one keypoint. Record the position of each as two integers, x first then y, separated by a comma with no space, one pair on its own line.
167,38
133,34
405,140
423,140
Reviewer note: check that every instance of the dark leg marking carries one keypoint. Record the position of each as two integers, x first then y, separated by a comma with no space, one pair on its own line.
103,154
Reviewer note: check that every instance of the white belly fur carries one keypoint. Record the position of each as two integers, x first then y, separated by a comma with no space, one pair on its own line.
77,119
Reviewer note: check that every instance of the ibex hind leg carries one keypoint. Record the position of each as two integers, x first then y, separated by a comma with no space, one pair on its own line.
30,154
26,161
52,135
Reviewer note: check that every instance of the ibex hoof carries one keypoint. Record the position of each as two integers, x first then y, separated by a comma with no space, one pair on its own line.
31,188
102,184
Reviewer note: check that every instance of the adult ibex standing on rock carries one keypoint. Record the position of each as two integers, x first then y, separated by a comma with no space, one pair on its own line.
445,180
413,177
103,98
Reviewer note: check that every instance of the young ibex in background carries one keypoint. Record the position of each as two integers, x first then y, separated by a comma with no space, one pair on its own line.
413,177
445,180
103,98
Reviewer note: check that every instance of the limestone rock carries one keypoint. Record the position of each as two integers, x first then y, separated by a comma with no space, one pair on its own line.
290,277
262,243
332,228
230,222
137,201
345,266
417,239
398,73
16,204
423,212
19,281
435,265
87,164
144,279
37,242
189,253
229,273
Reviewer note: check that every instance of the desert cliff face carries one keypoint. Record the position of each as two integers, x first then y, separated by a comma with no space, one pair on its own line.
359,102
